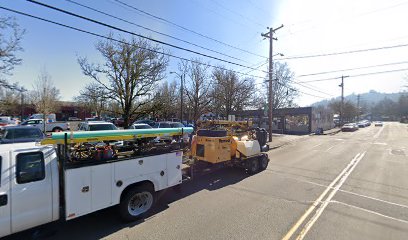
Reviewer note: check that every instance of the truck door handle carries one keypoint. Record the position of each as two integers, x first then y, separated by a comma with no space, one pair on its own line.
3,200
85,189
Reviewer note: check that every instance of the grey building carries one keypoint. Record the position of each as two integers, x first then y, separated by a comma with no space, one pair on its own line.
303,120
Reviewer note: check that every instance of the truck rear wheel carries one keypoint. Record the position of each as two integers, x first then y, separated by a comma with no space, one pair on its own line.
263,162
136,203
57,129
253,166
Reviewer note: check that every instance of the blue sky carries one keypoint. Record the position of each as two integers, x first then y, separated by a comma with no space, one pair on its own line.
311,27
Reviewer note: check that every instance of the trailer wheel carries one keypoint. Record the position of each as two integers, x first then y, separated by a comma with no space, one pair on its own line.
136,203
253,166
263,162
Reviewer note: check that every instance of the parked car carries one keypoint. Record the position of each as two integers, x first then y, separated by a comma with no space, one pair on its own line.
5,122
99,126
349,127
119,122
162,125
176,125
74,119
96,126
49,126
378,124
19,134
362,124
147,121
140,126
180,125
91,119
174,120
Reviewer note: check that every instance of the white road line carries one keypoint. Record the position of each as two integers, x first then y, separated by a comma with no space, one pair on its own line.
318,200
330,148
320,210
345,191
317,145
370,211
378,133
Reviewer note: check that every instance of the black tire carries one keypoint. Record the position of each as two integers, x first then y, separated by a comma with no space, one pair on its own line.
143,201
263,162
253,166
57,129
178,188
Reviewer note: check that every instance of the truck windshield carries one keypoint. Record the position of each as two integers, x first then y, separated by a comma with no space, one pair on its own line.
99,127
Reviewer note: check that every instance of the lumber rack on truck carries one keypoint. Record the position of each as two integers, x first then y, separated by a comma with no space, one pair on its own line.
100,146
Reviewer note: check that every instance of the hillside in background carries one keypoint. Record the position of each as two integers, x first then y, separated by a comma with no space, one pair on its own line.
369,99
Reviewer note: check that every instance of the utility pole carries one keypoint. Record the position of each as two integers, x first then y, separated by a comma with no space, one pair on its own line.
358,107
270,95
22,107
342,100
182,77
181,93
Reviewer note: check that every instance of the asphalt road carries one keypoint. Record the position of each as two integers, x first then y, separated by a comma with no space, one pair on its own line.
345,186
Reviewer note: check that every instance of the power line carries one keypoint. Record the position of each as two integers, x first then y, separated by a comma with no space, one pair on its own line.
221,15
349,18
311,88
257,67
237,13
293,89
138,35
116,40
357,68
123,42
297,90
151,30
187,29
357,75
345,52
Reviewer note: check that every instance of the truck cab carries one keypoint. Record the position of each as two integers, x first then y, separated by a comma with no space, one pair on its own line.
29,193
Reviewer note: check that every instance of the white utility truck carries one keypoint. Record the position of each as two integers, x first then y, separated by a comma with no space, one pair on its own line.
42,183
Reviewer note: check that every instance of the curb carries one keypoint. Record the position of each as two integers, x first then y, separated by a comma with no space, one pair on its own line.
330,133
286,143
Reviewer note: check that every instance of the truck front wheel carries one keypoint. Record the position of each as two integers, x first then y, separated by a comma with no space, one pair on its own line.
136,203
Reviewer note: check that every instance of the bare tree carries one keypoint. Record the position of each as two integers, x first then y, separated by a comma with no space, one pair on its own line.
197,87
350,111
45,96
9,102
284,91
10,43
166,100
230,93
94,97
130,72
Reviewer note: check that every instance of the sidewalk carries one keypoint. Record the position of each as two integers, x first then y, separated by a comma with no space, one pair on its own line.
279,140
332,131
